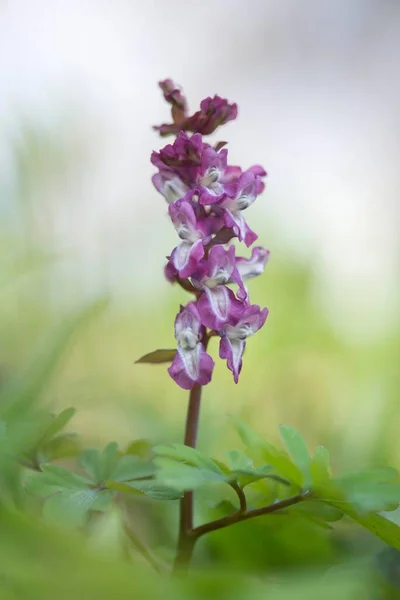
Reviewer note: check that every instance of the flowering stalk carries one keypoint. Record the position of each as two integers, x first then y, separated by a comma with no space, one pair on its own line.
207,198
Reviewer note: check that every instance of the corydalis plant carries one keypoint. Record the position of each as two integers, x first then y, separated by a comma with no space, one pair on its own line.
207,198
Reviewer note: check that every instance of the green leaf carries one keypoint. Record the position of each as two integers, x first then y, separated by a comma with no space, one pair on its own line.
375,498
69,507
63,445
131,467
187,455
89,461
157,357
320,510
108,461
238,461
260,450
58,424
59,476
182,477
320,466
156,490
371,491
298,451
34,483
125,488
103,500
252,440
383,528
370,476
140,448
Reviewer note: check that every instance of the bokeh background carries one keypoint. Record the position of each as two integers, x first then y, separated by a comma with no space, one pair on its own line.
318,92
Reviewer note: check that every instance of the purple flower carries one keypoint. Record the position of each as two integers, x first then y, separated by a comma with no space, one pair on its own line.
218,306
246,190
235,333
169,185
206,198
185,257
191,364
213,112
253,266
211,177
217,270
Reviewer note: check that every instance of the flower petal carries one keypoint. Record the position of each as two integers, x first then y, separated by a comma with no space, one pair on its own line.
232,350
186,256
253,266
218,306
191,366
240,227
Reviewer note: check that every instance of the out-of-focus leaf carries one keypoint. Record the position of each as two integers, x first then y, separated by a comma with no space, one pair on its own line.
59,476
375,498
140,448
58,423
157,357
108,461
34,483
187,455
369,477
130,467
155,489
63,445
238,461
69,507
298,451
182,477
125,488
375,490
89,460
383,528
320,466
320,510
262,451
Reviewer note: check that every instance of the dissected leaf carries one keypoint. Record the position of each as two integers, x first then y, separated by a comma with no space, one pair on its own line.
320,510
298,451
130,467
58,424
187,455
375,498
59,476
156,490
369,477
69,507
157,357
238,461
182,477
125,488
140,448
108,461
383,528
262,451
63,445
89,460
320,466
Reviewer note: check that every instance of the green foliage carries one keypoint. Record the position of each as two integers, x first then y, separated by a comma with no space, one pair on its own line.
157,357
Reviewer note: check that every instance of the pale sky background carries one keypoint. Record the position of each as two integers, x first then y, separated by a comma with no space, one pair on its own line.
318,92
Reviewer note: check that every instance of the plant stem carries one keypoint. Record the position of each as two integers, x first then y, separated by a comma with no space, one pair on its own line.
239,516
185,540
241,496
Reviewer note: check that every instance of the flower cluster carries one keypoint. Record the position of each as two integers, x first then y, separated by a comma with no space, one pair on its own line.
207,198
